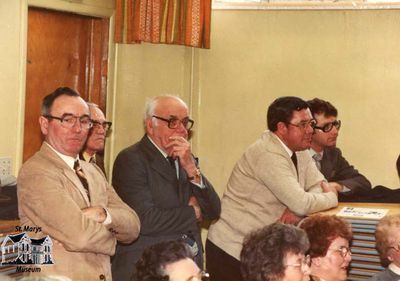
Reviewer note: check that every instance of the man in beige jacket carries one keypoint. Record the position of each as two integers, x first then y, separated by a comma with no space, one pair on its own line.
275,180
78,210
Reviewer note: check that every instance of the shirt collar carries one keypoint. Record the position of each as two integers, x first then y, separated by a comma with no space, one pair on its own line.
394,268
67,159
87,157
313,152
287,149
159,149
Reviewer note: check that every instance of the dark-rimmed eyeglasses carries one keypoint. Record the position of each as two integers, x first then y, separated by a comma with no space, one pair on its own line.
306,261
396,248
329,126
69,120
305,124
106,125
343,251
173,122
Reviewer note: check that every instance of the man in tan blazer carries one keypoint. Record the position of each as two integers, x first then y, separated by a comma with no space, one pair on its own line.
83,215
275,180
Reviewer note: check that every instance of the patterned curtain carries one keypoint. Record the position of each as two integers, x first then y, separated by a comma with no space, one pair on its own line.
182,22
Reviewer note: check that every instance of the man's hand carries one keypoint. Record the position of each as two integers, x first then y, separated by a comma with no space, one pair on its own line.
193,202
95,213
328,187
336,185
289,217
179,147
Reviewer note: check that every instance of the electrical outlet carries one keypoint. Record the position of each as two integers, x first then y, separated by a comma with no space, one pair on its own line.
5,166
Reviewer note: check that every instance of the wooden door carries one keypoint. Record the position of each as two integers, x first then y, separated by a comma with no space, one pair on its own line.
64,49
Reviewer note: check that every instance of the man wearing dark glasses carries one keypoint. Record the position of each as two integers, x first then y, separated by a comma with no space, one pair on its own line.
94,146
329,158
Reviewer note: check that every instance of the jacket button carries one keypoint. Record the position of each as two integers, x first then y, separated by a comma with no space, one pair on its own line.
102,277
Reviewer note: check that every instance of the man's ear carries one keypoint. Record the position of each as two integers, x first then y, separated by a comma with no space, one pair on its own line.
44,125
281,127
149,126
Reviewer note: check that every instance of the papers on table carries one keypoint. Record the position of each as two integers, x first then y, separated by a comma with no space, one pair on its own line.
366,213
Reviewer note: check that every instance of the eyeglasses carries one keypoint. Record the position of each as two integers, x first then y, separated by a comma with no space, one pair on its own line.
304,262
69,120
329,126
201,276
304,124
173,122
396,248
105,125
343,251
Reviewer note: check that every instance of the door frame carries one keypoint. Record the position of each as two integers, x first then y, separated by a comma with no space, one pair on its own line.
94,8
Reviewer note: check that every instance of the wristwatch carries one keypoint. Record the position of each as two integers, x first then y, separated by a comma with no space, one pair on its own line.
196,175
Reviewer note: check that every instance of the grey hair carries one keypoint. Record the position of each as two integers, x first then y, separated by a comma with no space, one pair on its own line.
151,104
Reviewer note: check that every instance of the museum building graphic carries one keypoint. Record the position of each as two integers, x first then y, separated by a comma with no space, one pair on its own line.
20,249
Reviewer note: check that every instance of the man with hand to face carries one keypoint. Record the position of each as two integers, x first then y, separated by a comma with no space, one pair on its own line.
70,200
327,157
161,180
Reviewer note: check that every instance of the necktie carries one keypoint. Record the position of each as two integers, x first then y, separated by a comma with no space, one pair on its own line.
92,160
294,159
317,158
81,176
172,163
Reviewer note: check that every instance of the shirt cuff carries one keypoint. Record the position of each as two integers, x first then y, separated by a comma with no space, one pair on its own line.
108,219
345,189
201,184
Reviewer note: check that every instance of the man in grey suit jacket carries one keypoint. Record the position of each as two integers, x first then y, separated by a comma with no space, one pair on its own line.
328,158
80,212
274,180
161,180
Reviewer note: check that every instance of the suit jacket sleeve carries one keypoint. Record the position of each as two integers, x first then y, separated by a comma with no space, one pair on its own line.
344,173
45,199
135,182
277,173
125,223
208,199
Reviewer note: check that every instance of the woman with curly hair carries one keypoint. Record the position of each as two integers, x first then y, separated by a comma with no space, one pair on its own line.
330,254
275,253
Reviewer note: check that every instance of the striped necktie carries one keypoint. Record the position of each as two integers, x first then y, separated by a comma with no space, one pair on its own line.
317,158
81,176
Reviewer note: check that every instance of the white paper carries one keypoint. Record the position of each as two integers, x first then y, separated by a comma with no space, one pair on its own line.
367,213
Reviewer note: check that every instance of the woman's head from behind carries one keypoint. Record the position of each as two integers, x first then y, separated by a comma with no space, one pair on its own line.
275,252
329,238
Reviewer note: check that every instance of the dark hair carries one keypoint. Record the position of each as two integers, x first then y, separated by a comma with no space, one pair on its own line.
318,106
151,266
50,98
264,251
398,165
322,230
281,110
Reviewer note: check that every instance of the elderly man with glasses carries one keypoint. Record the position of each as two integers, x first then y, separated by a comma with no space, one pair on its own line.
70,200
328,158
94,147
161,180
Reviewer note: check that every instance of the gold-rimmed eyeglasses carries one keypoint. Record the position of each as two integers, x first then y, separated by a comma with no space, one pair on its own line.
306,261
343,251
305,124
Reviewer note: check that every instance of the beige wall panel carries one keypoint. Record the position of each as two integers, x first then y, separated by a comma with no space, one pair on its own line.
10,76
350,58
144,71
